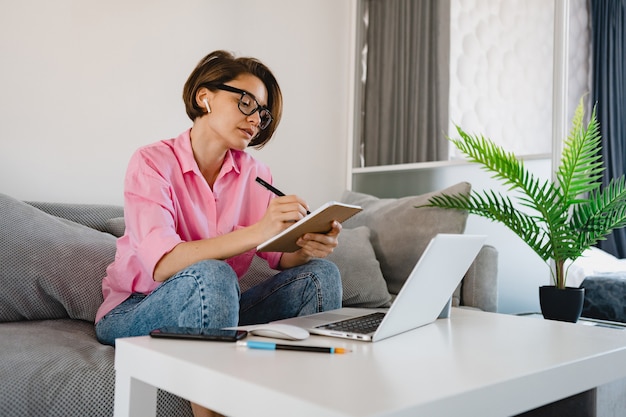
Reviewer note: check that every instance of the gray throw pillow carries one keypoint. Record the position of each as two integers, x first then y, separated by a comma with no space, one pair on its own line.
400,231
49,267
362,281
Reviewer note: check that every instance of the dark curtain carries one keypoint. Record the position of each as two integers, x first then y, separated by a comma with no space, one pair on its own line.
405,114
609,93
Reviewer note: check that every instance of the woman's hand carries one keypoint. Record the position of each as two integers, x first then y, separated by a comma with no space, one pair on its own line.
317,245
313,245
281,213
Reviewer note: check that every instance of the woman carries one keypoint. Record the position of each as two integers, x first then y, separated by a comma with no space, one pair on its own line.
194,215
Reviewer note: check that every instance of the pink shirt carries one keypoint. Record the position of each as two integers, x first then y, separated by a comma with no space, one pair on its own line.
167,201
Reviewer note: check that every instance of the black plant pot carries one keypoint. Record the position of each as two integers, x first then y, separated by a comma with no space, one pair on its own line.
561,304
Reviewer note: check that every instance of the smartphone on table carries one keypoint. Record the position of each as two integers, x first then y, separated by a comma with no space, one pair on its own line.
194,333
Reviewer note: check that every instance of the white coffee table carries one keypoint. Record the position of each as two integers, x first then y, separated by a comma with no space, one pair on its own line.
475,363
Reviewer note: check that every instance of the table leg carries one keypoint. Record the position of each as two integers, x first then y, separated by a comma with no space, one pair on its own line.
133,397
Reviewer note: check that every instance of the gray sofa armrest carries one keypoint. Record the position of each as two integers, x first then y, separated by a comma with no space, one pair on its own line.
479,288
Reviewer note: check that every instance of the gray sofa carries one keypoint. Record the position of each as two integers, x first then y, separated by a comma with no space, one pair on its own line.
53,258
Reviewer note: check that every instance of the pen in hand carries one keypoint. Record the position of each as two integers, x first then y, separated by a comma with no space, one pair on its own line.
269,186
273,189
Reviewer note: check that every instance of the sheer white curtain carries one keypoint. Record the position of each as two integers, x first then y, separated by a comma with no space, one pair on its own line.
406,81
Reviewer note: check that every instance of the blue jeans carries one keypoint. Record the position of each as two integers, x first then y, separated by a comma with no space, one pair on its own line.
207,294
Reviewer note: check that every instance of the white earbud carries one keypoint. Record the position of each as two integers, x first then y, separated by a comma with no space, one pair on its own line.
206,104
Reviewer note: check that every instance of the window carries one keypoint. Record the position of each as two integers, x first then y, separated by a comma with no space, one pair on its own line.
428,65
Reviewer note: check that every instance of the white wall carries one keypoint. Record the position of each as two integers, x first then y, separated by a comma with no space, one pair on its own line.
84,83
501,70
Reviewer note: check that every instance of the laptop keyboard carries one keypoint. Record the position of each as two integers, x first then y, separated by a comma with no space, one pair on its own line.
363,324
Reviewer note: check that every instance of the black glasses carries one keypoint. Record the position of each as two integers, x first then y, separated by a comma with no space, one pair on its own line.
248,104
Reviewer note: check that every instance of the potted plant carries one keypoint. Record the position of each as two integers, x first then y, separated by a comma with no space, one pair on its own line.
558,219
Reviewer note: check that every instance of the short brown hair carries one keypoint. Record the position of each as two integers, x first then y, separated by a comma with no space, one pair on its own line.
219,67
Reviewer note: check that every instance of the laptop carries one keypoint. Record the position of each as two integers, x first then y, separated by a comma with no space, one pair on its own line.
423,298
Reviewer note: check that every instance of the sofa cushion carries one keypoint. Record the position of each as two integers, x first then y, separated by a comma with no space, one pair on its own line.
362,280
57,368
604,296
49,267
401,231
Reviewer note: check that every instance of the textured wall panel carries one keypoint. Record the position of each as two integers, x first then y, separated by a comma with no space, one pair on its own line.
501,69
